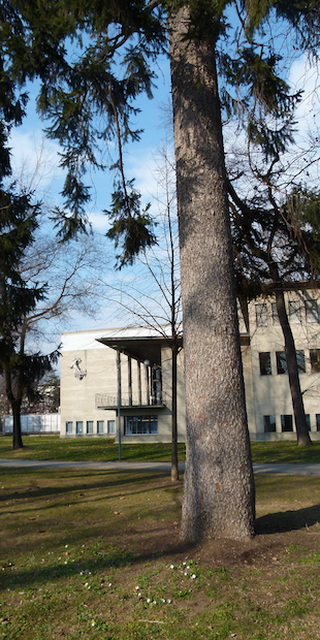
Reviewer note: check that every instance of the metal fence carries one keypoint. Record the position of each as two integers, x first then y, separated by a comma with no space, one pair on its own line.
32,423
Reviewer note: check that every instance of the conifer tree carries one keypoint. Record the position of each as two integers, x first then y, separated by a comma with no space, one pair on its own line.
79,91
20,369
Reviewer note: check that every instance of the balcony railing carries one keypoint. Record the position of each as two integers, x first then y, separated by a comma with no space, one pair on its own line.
104,400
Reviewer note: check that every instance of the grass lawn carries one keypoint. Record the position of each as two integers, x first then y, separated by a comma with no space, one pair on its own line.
51,447
88,555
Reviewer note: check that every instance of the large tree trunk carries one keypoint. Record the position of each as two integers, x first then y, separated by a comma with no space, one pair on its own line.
17,436
174,425
16,412
219,486
303,437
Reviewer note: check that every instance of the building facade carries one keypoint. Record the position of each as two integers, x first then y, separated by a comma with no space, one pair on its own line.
103,371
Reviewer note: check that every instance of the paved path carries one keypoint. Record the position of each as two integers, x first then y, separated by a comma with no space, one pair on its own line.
293,469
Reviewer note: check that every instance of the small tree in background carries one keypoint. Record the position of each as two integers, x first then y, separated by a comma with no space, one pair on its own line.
152,296
18,298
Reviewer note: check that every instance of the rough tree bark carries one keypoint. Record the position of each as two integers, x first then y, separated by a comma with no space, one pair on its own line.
219,485
16,412
174,417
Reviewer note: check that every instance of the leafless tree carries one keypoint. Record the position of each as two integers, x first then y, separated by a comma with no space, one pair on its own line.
151,295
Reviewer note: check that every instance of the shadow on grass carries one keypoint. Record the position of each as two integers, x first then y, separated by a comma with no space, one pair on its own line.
104,480
84,570
285,521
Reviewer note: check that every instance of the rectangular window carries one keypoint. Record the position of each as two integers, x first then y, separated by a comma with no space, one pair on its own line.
286,423
281,362
111,427
318,421
69,427
140,425
265,363
79,427
301,361
262,314
312,310
295,315
269,423
89,426
315,360
100,426
275,317
308,421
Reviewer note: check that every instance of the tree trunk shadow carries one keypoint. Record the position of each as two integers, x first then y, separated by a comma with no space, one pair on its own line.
283,521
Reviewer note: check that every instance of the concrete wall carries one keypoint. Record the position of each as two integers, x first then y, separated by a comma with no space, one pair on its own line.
266,395
78,395
272,392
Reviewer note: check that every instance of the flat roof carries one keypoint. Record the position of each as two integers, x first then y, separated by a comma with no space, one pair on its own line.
140,348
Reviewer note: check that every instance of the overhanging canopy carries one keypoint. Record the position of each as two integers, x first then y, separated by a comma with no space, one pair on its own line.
140,348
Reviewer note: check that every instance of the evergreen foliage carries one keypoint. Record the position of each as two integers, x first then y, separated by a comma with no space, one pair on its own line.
21,370
93,60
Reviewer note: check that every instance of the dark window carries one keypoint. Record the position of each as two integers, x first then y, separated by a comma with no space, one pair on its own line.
79,427
281,362
262,315
140,425
286,423
301,362
269,424
69,427
318,421
308,421
100,426
282,366
89,426
156,385
265,363
111,427
315,360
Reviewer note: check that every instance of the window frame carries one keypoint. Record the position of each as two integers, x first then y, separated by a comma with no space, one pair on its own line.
89,423
99,424
109,431
140,420
267,424
69,427
262,315
282,365
300,354
79,429
283,420
315,362
265,367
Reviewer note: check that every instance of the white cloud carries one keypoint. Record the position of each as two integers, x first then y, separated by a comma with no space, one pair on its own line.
99,221
304,76
35,161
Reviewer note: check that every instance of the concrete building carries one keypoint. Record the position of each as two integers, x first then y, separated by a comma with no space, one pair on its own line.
91,362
